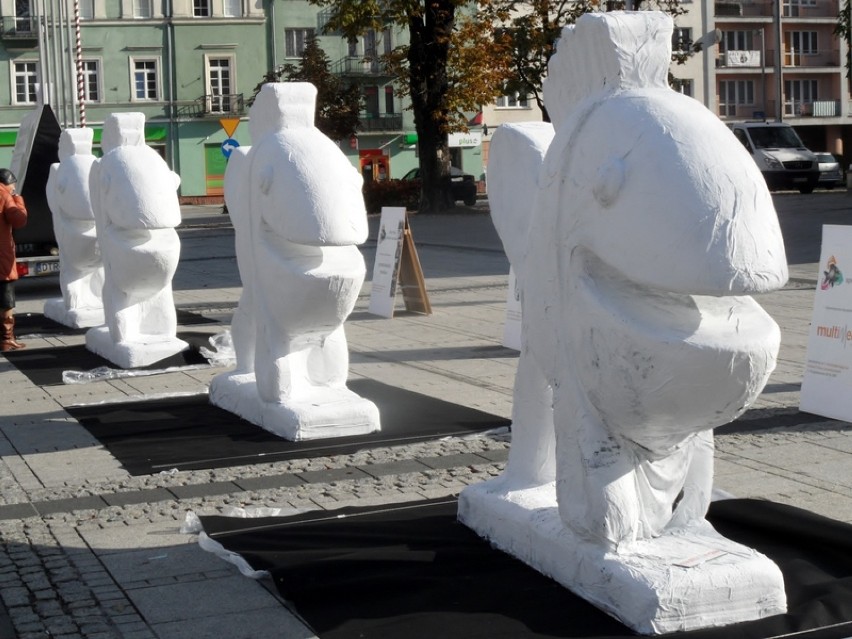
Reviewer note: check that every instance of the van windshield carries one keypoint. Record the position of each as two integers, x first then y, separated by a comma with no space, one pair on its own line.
775,137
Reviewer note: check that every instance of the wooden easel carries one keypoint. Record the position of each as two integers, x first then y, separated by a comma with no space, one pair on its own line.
411,280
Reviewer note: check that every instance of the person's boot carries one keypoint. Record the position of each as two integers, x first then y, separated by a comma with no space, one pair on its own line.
8,341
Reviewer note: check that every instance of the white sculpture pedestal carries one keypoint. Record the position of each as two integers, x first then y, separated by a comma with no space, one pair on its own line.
56,310
146,350
665,584
320,413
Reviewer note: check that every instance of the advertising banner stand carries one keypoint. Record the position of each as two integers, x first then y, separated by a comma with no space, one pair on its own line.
828,367
397,265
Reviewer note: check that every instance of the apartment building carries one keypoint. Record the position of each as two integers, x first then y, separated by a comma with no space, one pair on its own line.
752,66
191,67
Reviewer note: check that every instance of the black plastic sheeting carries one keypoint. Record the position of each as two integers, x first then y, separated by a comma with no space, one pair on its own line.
188,433
28,324
412,571
44,366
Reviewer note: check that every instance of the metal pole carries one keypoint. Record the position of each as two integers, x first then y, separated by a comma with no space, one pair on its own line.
68,60
43,57
763,66
779,73
58,102
78,60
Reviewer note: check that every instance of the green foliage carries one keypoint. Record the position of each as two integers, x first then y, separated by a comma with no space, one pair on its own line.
391,193
338,106
447,67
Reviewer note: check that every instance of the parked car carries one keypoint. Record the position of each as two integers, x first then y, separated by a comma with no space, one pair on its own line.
463,184
830,174
780,154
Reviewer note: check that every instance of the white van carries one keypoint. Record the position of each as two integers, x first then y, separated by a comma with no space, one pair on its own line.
779,154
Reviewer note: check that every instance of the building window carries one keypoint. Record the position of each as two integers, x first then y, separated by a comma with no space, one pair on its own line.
219,84
87,9
390,105
682,39
683,86
24,16
295,41
799,96
145,80
737,41
143,9
513,101
801,42
91,81
735,93
371,101
233,8
26,78
201,8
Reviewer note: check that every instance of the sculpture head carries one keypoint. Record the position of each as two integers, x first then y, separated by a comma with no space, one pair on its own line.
658,225
282,105
123,129
75,141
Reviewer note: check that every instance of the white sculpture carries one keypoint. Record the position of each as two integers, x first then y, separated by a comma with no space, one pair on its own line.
136,210
81,274
298,214
650,228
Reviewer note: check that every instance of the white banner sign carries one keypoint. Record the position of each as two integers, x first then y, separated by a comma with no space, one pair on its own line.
512,327
469,139
828,369
386,266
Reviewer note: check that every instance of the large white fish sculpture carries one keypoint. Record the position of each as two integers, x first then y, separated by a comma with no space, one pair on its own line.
639,227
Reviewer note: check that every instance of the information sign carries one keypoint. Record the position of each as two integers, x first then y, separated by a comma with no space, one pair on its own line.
397,263
512,325
828,364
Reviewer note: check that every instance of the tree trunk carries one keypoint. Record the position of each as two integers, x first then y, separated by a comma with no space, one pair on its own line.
427,57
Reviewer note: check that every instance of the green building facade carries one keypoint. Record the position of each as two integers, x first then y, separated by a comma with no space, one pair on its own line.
191,66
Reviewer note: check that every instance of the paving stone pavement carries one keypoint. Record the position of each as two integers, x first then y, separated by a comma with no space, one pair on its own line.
90,551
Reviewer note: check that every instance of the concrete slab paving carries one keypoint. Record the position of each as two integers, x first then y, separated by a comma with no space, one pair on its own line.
64,496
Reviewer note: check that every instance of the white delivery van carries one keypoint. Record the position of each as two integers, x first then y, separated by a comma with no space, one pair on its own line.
779,154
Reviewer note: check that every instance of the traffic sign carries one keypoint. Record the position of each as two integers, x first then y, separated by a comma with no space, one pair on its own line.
228,146
230,125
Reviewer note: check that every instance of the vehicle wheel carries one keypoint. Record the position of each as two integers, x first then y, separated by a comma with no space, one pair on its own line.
829,187
470,200
804,190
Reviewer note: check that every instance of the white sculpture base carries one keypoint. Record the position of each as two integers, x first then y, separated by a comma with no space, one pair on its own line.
142,352
670,583
75,317
327,412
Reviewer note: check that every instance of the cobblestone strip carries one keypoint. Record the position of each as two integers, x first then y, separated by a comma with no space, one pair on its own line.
52,586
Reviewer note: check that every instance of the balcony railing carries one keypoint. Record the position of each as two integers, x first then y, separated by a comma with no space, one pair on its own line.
750,59
792,108
764,9
13,28
217,105
384,122
359,66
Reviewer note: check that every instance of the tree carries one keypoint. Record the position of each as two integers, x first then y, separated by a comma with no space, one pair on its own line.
532,29
433,71
338,106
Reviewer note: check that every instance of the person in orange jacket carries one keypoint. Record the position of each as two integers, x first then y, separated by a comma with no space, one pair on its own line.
13,215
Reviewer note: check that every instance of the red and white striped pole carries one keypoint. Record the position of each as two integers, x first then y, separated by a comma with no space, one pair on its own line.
81,81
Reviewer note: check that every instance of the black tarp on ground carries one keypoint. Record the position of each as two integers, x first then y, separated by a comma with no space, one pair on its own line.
412,571
188,433
37,324
44,366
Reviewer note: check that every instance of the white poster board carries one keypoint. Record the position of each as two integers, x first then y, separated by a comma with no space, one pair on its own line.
386,266
828,367
512,326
